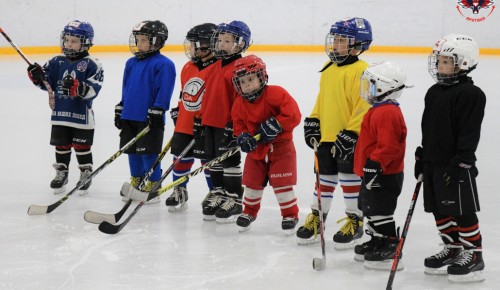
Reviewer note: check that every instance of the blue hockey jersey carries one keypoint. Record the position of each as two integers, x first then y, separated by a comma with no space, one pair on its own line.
69,111
147,83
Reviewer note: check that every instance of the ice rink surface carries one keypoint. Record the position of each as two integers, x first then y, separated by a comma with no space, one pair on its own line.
160,250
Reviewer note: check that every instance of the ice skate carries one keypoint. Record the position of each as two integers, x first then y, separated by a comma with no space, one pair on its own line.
134,182
215,200
85,171
468,267
58,184
229,211
350,233
437,264
244,222
288,225
309,232
147,188
177,201
382,256
366,247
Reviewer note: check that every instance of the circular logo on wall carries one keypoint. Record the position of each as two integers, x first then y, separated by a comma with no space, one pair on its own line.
475,10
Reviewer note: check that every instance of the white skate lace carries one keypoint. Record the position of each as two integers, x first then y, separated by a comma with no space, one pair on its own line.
60,175
215,200
444,252
465,258
230,202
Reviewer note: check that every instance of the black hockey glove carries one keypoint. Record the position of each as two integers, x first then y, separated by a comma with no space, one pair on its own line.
371,172
228,140
247,142
174,113
156,117
73,88
312,134
343,148
419,162
198,128
457,170
118,115
269,130
36,74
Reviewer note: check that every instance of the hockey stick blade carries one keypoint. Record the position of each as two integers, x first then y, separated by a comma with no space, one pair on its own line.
94,217
319,264
37,209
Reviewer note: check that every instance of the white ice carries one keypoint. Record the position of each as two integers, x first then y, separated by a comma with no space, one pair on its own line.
159,250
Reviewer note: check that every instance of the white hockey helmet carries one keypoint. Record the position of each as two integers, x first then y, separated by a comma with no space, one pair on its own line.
460,48
382,81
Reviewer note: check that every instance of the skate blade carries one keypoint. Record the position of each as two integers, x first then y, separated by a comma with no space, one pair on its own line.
154,200
475,276
345,246
209,218
229,220
436,271
289,232
177,208
59,190
385,265
83,192
244,229
359,258
309,241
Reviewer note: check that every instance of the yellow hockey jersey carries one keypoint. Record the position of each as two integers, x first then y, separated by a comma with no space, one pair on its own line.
339,104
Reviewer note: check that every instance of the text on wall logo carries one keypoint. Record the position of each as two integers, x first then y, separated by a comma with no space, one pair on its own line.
475,10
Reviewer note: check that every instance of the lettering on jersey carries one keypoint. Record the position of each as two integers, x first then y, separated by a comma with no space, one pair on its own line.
192,94
82,66
281,175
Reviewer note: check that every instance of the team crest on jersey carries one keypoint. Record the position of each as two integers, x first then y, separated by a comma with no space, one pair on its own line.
81,66
192,94
478,9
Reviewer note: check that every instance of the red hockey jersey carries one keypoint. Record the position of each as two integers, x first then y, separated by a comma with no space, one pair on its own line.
275,102
382,139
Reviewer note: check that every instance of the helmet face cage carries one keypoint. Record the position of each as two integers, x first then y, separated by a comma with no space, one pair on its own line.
197,42
230,39
76,31
338,47
444,69
156,34
250,77
381,82
356,30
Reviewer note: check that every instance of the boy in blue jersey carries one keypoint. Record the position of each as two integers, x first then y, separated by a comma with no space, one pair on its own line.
76,79
148,83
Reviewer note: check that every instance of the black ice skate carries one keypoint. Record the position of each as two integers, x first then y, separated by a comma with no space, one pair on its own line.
468,267
366,247
85,171
211,193
61,179
438,263
214,202
288,225
177,202
350,233
309,232
244,222
382,256
229,211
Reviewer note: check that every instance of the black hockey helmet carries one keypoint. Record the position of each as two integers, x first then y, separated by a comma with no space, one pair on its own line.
157,33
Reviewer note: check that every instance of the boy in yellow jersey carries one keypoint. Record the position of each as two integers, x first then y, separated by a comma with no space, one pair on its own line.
334,124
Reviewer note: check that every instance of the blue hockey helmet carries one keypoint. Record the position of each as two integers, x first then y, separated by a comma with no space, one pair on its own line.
242,38
356,30
79,29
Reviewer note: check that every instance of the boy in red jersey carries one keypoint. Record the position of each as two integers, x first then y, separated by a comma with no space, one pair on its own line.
223,203
271,112
193,76
378,160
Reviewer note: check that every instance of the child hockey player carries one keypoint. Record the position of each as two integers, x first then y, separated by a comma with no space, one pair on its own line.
193,76
271,112
378,159
335,123
76,78
451,126
223,203
148,83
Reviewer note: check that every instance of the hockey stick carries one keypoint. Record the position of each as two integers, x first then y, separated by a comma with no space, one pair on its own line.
403,234
39,210
52,101
97,217
109,228
319,264
135,194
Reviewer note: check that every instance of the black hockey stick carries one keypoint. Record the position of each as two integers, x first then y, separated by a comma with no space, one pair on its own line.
97,217
39,210
109,228
52,102
403,234
135,194
319,264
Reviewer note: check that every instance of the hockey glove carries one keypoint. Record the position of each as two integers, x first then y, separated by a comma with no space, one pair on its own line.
457,171
228,139
247,142
343,148
269,130
73,88
312,134
118,115
174,113
36,74
156,116
419,162
371,172
198,128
